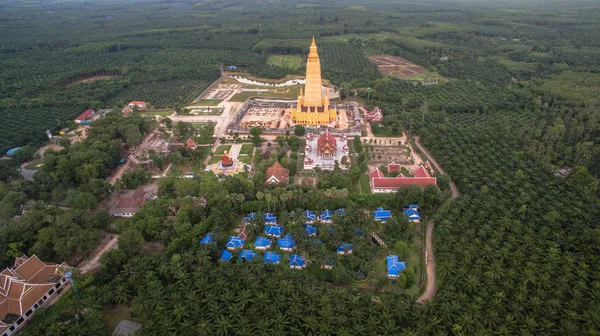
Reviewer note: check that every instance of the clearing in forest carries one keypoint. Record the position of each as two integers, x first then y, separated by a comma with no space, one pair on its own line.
285,61
402,68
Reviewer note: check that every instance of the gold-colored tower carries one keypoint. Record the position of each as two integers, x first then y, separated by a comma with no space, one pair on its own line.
312,107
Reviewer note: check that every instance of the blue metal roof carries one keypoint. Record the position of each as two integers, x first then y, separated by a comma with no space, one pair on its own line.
413,206
344,248
394,266
271,258
270,218
412,214
235,242
274,230
286,243
309,215
340,212
297,261
208,239
326,215
250,217
262,242
247,255
310,230
381,214
225,255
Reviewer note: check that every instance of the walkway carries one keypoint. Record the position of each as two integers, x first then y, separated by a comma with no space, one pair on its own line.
93,262
431,286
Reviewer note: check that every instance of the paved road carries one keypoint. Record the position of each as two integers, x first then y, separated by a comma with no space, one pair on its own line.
27,173
431,286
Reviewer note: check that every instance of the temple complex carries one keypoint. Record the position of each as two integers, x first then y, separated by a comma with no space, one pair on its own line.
227,166
313,107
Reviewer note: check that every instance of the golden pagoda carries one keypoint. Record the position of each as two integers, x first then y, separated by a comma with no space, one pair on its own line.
312,107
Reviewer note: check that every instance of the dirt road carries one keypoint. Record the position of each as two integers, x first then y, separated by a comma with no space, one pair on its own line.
431,286
93,261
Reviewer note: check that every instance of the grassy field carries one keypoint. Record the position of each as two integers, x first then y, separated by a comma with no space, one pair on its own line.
201,124
287,92
158,113
208,102
245,159
247,149
33,165
364,184
115,314
221,149
285,61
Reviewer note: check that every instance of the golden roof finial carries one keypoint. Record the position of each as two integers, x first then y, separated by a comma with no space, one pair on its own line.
300,91
313,41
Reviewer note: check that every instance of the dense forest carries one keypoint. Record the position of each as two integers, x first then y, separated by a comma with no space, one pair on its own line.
517,253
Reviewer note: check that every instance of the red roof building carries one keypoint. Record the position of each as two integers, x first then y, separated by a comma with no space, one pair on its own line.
24,288
381,184
191,144
326,145
394,167
277,174
129,108
374,116
87,115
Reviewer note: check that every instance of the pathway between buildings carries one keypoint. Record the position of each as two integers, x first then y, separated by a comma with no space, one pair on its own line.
93,261
431,286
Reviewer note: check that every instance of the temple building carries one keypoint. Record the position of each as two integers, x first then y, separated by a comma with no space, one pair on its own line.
228,166
325,150
313,107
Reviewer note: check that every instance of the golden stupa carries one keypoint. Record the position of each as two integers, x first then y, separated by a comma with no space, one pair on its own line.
313,107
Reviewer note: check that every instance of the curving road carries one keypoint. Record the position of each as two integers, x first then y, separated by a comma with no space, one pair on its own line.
431,286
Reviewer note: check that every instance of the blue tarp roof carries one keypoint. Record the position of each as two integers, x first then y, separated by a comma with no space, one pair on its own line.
340,212
270,218
235,242
274,230
247,255
208,239
381,214
297,260
226,255
309,215
326,215
394,266
262,242
250,217
286,243
412,214
342,248
271,258
413,206
12,150
310,230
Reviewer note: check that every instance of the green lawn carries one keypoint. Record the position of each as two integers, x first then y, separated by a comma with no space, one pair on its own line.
245,159
222,149
208,102
159,113
113,315
282,92
365,184
247,149
33,165
285,61
214,159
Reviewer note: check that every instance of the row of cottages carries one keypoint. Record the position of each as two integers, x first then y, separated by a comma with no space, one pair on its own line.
296,261
381,184
24,288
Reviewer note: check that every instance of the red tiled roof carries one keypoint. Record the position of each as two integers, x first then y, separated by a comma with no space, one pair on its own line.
375,173
191,143
394,167
85,115
127,204
397,182
421,172
326,137
137,102
279,172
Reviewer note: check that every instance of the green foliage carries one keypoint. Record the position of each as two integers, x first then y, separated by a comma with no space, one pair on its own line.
299,130
135,178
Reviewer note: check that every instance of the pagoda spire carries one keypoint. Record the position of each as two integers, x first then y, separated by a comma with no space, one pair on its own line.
313,41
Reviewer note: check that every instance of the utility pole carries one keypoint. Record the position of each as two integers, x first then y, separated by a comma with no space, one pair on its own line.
368,93
260,30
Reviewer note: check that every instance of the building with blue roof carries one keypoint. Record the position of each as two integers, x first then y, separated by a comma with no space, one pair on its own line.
326,216
286,243
270,218
310,230
208,239
394,266
262,243
250,217
274,230
234,243
340,212
328,264
297,261
309,216
344,249
225,256
381,215
247,255
12,151
412,214
272,258
414,206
